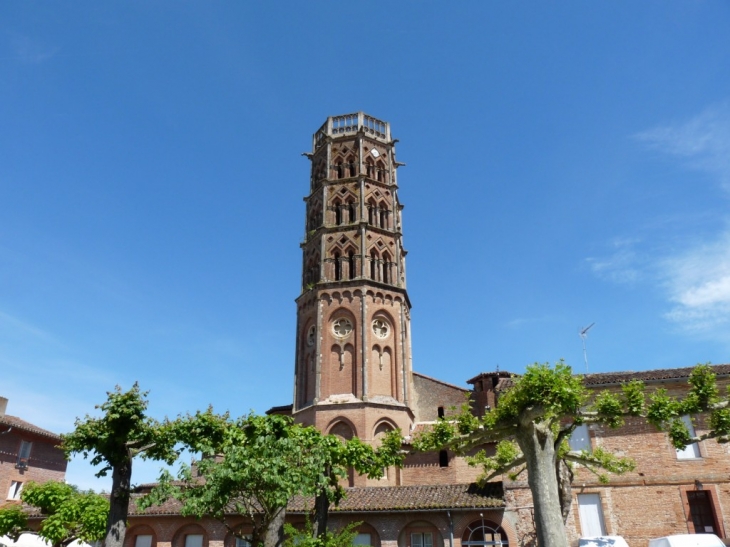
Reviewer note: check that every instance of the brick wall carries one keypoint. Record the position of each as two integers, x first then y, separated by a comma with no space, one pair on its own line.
46,462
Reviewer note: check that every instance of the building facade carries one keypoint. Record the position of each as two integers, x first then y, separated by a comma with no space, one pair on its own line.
353,377
27,453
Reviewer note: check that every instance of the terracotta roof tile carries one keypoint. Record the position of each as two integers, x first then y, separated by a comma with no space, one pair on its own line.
606,378
15,422
383,498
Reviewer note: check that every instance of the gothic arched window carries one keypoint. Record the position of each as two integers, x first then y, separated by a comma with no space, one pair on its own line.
338,266
372,212
337,206
351,263
386,268
383,213
374,266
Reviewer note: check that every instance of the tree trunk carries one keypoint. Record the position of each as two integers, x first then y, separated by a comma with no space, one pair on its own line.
565,488
116,526
321,512
274,534
537,444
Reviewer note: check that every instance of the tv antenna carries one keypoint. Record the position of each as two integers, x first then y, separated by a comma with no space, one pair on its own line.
583,333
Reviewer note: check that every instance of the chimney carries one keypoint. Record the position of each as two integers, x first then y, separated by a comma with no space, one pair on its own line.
3,406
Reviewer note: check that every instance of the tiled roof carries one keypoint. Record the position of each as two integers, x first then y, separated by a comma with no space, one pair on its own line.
605,378
280,409
498,373
384,498
506,379
440,381
15,422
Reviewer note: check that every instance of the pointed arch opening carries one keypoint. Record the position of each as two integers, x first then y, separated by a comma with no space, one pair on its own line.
372,212
383,215
338,265
386,268
374,267
352,166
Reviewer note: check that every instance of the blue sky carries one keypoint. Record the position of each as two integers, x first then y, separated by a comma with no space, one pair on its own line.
567,163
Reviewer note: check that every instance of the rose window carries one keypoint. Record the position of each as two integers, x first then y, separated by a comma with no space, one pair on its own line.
342,327
381,328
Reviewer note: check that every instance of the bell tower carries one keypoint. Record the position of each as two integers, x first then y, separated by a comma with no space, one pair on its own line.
353,349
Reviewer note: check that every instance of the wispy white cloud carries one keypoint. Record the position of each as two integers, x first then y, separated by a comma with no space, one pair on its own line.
20,327
622,265
31,51
703,142
520,321
696,277
698,284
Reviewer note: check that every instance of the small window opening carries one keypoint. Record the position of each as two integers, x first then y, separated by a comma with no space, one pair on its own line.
441,412
24,454
351,260
338,267
16,487
338,214
443,458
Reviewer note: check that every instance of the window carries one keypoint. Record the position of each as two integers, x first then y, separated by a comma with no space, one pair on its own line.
24,454
691,451
590,513
443,458
422,539
362,539
143,541
243,542
579,439
440,412
16,488
484,533
194,540
702,514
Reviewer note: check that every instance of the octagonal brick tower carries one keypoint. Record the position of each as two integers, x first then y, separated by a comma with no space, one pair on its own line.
353,351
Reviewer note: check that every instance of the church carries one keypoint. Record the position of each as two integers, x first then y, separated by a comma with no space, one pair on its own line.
353,377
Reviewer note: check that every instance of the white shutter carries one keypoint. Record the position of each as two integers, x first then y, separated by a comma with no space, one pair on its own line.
591,515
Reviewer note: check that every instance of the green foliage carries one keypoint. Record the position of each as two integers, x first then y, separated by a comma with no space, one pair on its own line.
121,433
304,537
720,423
679,434
507,453
256,464
609,409
600,460
704,390
554,389
634,398
663,409
69,514
13,522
